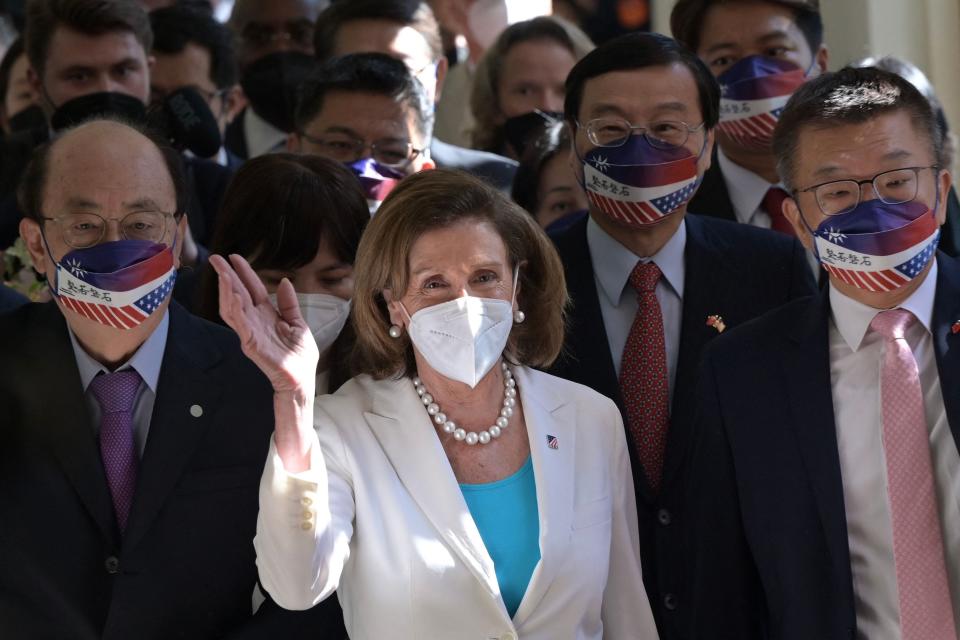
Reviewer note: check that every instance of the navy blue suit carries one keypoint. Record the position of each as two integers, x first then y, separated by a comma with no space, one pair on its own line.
768,535
185,566
10,299
736,271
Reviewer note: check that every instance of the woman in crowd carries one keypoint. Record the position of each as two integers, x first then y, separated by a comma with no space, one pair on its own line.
519,84
545,184
298,217
450,490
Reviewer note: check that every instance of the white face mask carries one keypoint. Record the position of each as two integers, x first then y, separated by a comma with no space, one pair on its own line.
463,338
324,314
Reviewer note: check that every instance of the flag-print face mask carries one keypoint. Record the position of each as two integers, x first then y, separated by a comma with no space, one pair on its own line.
118,284
637,184
878,247
754,92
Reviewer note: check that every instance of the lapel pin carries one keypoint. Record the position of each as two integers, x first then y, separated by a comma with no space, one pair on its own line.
955,328
552,442
717,323
196,411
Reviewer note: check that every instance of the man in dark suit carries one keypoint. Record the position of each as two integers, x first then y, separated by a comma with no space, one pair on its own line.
409,32
758,43
10,299
133,433
825,475
650,285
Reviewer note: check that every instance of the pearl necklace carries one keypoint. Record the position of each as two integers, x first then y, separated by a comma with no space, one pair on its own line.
472,437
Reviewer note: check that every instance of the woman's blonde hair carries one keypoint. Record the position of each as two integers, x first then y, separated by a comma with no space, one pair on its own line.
487,133
438,199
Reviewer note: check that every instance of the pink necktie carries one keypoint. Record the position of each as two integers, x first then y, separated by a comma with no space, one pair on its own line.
117,393
926,610
643,376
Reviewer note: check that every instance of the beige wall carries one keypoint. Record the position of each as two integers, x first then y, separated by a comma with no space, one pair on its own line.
926,32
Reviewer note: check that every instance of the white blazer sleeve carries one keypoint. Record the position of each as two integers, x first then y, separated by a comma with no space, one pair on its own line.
305,522
626,610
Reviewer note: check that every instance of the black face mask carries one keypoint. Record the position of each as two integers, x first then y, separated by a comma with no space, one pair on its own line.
73,112
271,85
520,130
30,119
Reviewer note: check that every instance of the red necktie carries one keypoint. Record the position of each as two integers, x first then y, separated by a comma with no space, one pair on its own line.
773,205
643,376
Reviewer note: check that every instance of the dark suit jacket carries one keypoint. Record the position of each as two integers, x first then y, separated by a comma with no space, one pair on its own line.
185,566
732,270
768,534
496,170
10,299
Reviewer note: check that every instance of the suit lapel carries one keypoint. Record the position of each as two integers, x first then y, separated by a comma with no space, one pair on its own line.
706,280
587,358
183,390
71,435
712,198
946,312
548,416
805,372
409,440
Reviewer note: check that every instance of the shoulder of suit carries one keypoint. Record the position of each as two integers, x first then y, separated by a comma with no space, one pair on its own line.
569,391
733,235
763,334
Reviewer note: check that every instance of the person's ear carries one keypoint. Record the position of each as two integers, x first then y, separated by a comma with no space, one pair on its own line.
706,158
233,102
944,183
823,58
36,86
792,212
32,235
397,316
442,67
293,142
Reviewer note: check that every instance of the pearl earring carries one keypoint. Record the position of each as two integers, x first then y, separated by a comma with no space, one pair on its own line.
519,316
394,331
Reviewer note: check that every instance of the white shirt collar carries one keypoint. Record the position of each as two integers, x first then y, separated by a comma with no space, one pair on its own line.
853,318
262,137
146,361
746,188
613,262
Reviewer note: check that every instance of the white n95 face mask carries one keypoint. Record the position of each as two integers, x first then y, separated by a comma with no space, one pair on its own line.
324,314
463,338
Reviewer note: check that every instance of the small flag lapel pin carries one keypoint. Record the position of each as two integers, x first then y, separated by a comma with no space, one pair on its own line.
552,442
955,328
717,323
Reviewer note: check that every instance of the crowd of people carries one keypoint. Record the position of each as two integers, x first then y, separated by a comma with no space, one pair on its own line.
461,319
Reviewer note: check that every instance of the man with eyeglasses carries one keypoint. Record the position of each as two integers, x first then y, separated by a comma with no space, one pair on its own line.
651,286
367,111
192,49
825,477
133,432
274,43
409,32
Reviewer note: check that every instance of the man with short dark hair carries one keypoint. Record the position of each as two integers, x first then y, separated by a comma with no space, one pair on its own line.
760,51
409,32
650,285
192,49
825,475
366,111
133,432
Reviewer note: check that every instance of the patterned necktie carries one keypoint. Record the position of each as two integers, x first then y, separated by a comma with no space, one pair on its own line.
926,611
773,205
643,376
116,393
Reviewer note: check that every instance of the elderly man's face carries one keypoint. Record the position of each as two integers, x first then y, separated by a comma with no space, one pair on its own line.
103,168
78,64
351,124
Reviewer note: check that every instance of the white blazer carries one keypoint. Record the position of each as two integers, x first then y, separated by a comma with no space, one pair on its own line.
380,517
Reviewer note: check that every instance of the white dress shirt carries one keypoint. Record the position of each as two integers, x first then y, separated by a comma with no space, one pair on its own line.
855,363
261,136
146,361
612,265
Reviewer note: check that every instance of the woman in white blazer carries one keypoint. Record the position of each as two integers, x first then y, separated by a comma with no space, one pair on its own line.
448,491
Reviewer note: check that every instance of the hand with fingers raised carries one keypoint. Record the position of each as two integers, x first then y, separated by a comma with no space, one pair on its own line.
279,342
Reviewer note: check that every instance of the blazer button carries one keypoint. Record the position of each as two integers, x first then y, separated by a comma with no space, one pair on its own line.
670,602
112,565
663,515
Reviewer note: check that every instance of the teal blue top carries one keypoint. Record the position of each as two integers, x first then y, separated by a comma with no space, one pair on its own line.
506,515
